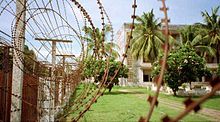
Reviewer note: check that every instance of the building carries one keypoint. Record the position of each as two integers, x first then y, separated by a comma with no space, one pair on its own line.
139,70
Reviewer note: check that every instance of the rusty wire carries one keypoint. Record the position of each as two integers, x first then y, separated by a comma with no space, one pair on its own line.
39,23
32,17
154,100
39,12
33,13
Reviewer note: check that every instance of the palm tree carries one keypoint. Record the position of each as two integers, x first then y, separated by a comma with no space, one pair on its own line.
148,38
108,46
212,27
191,36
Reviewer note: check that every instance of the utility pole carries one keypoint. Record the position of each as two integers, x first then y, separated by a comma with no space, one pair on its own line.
17,75
52,85
63,91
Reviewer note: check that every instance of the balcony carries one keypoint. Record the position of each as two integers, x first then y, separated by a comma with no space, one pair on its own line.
145,65
148,65
212,65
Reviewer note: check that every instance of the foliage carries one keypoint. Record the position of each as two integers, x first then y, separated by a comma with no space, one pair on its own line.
218,70
44,71
90,65
1,58
183,66
114,65
211,29
29,60
31,65
96,68
148,38
192,35
110,48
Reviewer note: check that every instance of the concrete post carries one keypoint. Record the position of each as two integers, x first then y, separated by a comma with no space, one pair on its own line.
17,75
65,88
52,83
63,93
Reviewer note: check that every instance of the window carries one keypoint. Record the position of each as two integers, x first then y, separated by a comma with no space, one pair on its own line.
146,78
145,60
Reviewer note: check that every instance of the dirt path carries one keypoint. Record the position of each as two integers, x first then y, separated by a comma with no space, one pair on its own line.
210,114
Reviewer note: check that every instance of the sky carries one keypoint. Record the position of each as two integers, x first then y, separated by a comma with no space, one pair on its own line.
180,11
119,11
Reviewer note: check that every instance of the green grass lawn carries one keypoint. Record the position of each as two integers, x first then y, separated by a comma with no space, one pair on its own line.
212,103
122,106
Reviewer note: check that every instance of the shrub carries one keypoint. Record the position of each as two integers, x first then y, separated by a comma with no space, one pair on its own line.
183,66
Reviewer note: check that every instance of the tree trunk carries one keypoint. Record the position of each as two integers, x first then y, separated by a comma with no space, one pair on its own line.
190,85
110,87
174,92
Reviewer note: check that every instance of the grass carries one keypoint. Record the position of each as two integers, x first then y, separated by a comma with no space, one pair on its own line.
212,103
123,106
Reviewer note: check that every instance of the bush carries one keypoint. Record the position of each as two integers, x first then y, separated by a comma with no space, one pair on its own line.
183,66
96,68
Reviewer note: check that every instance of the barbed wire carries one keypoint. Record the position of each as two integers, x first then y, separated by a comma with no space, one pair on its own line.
41,13
51,20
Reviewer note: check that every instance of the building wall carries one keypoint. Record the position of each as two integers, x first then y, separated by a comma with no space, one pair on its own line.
122,38
139,68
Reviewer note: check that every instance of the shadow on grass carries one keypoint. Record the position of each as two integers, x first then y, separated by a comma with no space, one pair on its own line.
123,92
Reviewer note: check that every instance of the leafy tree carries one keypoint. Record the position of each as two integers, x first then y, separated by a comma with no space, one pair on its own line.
108,46
114,65
212,29
96,68
90,65
44,71
218,70
190,35
183,66
29,60
147,37
1,58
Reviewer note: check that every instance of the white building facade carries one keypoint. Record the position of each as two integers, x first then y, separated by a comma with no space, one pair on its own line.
140,71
